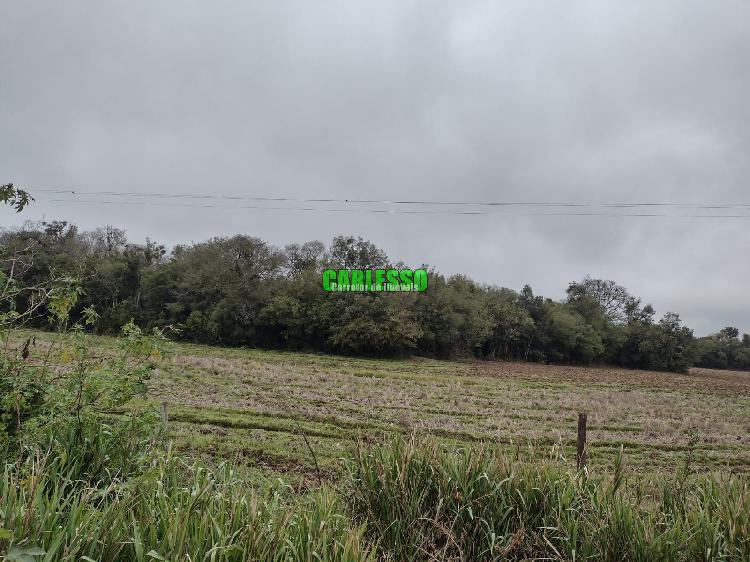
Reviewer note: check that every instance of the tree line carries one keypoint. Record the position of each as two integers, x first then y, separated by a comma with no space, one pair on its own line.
242,291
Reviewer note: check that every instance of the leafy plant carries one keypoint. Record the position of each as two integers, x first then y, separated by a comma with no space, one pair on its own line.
15,197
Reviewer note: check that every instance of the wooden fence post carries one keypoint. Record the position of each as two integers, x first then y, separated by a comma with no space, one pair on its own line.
581,451
164,416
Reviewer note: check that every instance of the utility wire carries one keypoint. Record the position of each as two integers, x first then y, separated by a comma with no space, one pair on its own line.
696,206
398,211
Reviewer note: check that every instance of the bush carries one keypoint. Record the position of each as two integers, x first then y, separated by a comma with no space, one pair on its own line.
74,415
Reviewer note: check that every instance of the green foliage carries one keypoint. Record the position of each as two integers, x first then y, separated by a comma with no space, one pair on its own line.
86,390
200,328
346,252
17,198
599,297
21,395
402,501
83,481
62,398
65,400
241,291
666,346
169,511
575,339
512,326
25,387
374,324
421,502
724,350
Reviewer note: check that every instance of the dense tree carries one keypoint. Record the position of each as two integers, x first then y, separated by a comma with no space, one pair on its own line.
724,350
613,300
668,345
512,326
348,252
300,258
374,324
240,290
439,319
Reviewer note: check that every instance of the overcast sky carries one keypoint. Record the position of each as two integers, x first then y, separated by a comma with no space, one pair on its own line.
528,101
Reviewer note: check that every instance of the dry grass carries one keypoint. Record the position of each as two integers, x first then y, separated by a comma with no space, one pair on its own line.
254,405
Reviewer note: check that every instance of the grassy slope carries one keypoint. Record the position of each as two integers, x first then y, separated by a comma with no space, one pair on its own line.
253,406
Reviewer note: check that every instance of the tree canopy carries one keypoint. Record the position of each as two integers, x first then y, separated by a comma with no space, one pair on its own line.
242,291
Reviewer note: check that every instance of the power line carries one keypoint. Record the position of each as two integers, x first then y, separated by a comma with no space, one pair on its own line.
399,211
554,204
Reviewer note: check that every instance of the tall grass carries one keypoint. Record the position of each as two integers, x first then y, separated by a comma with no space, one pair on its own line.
422,503
172,511
400,502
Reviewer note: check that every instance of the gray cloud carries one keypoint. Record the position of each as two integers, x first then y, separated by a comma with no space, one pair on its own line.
535,101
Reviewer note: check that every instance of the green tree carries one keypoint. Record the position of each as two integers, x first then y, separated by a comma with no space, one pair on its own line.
512,326
668,345
724,350
375,324
614,301
348,252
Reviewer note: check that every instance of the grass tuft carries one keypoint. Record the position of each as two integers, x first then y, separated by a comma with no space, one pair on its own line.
423,502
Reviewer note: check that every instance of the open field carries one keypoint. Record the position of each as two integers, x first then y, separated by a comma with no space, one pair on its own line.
254,406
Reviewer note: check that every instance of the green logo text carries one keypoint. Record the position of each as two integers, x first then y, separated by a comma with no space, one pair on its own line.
365,280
